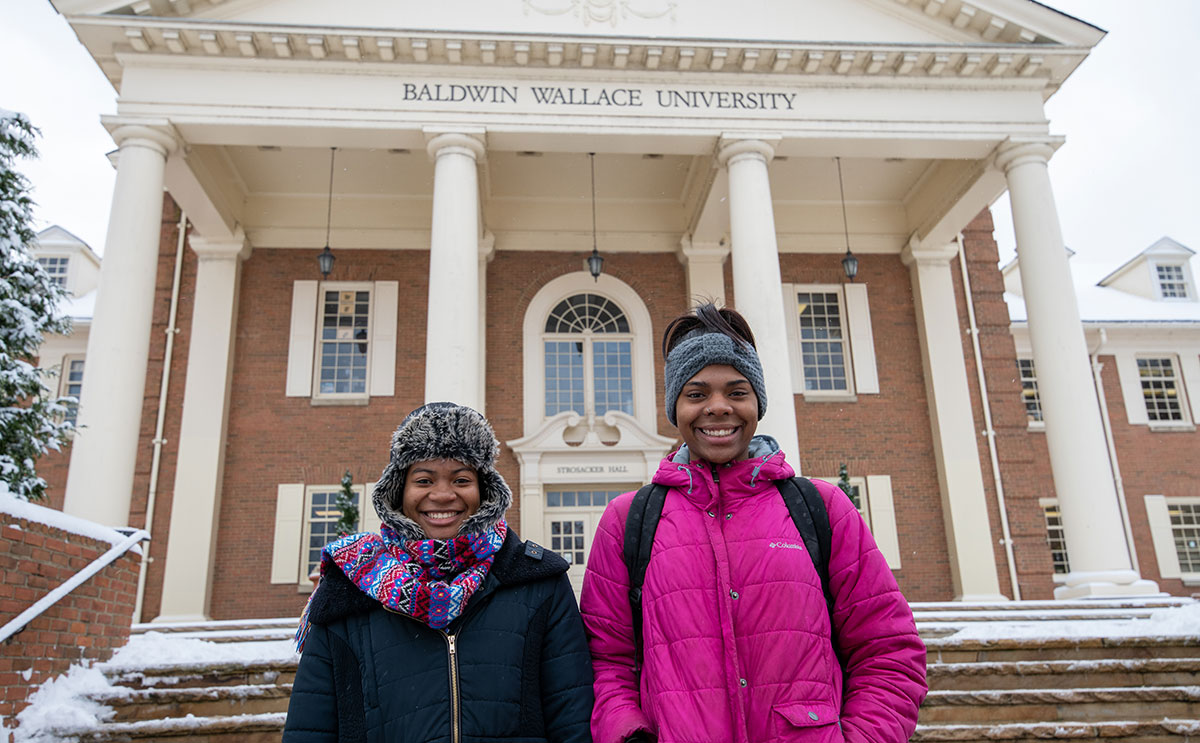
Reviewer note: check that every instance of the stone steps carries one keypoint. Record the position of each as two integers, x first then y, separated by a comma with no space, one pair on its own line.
1114,731
249,728
1064,674
207,675
1007,649
998,672
209,702
1061,705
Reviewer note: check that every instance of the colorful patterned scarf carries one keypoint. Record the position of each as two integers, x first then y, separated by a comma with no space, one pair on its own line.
427,579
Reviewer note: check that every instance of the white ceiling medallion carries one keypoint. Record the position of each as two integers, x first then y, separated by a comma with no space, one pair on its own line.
604,11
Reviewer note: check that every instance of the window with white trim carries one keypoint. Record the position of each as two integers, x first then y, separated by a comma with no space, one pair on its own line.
1160,391
72,384
321,515
588,353
305,518
628,379
823,349
1172,281
56,267
1185,528
342,346
830,340
1056,537
1175,530
1030,394
571,515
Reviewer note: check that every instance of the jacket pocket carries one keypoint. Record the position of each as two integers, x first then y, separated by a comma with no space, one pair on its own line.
818,721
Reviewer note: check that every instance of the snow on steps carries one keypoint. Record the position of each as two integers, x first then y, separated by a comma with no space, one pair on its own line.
1066,704
1119,731
260,728
1016,672
1063,674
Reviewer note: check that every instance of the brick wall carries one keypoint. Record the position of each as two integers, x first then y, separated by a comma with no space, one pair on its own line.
1021,463
53,467
274,439
89,623
1151,463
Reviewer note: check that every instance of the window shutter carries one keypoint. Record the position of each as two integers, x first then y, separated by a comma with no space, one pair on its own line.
1131,390
383,338
368,520
883,518
289,528
1189,370
791,316
300,341
1164,539
862,342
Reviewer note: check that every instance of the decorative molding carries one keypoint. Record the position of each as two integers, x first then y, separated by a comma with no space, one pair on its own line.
603,11
1042,63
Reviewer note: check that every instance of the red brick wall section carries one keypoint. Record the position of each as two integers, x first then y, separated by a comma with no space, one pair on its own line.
274,439
90,623
1162,462
1023,476
53,467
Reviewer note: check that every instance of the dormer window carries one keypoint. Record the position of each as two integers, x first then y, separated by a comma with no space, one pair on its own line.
56,268
1172,281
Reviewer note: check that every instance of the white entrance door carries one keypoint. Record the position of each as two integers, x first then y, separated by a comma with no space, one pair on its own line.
572,514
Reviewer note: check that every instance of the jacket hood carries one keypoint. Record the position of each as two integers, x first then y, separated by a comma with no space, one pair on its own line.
443,430
765,464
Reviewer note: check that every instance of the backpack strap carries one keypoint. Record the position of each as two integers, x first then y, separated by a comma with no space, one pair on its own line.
812,521
640,525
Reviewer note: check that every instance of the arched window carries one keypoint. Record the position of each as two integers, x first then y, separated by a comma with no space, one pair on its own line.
587,350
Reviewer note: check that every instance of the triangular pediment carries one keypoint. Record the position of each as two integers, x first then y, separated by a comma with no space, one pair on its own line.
908,22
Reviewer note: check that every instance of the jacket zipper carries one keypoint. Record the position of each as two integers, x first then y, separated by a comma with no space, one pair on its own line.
455,697
452,654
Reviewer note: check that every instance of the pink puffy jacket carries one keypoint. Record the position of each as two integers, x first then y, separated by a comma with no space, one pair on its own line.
736,629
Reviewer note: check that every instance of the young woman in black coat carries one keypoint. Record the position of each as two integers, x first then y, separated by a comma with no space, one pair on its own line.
444,626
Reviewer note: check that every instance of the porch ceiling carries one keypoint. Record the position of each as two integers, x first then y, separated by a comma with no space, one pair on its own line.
282,191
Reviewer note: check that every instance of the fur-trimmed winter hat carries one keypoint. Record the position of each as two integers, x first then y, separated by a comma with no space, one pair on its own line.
443,430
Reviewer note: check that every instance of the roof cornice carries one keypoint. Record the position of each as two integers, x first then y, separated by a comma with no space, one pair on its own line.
109,35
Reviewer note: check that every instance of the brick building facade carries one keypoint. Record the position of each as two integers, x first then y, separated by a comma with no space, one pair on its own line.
461,275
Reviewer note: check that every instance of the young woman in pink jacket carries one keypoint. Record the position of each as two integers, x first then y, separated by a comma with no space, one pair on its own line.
738,641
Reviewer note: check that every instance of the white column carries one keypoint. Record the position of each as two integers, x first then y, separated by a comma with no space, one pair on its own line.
104,453
487,251
757,286
705,266
1087,497
955,443
452,354
196,500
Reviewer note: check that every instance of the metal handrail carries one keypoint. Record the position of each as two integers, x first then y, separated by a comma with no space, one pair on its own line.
95,566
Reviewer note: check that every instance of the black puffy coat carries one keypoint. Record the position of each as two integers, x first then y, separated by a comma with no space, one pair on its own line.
514,667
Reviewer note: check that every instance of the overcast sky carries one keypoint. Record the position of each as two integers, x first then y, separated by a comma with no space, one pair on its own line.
1128,174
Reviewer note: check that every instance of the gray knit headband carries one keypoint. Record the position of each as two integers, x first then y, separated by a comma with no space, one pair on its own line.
699,349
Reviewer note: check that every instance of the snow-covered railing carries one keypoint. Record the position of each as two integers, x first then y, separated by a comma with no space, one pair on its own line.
24,618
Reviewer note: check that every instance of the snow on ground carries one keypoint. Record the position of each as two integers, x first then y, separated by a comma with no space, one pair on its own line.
162,649
1175,622
63,701
21,509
